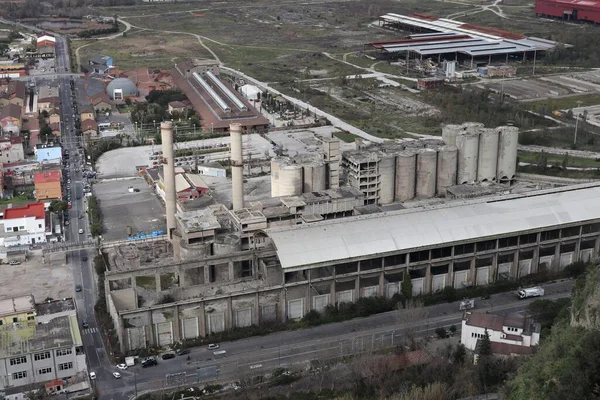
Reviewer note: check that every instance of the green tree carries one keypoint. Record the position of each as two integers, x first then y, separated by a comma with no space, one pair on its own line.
460,354
58,206
565,161
485,346
406,286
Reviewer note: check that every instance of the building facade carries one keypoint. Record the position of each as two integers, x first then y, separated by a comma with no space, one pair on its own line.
509,329
41,343
277,266
24,225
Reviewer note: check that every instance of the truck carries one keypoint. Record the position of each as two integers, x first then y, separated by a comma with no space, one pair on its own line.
467,304
130,361
530,292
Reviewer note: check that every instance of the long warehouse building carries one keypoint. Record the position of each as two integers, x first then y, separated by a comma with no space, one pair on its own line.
282,273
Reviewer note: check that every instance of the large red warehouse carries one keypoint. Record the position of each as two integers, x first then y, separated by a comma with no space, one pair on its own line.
572,10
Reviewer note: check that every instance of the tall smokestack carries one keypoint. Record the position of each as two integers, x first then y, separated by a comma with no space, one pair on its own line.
237,170
166,134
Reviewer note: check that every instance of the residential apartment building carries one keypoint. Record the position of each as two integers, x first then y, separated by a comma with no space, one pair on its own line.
48,185
10,119
23,225
510,334
40,343
11,150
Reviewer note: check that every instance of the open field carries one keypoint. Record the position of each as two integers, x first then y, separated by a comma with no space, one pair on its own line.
558,160
141,49
283,43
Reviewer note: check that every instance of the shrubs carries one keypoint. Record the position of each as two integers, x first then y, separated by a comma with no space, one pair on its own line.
95,216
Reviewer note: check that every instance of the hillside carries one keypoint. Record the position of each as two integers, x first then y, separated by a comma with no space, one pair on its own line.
567,363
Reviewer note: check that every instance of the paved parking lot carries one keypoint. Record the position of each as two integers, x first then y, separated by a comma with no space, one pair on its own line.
142,211
53,279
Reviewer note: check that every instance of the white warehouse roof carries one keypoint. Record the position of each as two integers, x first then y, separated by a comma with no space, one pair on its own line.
374,234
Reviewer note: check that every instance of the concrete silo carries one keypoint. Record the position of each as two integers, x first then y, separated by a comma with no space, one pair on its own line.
406,174
447,164
426,173
488,155
449,133
468,151
314,176
472,127
290,180
507,152
275,166
387,178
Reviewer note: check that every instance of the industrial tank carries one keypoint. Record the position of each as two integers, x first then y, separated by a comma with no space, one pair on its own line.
426,173
488,155
449,133
314,176
275,166
447,164
472,127
468,150
406,174
226,244
507,152
387,178
290,180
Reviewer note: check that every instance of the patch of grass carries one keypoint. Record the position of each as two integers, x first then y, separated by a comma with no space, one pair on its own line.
563,138
559,172
559,160
360,61
146,282
563,103
345,136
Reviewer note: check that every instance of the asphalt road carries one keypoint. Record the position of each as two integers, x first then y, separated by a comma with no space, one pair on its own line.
257,355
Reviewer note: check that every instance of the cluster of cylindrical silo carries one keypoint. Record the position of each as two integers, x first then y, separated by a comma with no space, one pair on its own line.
484,154
294,177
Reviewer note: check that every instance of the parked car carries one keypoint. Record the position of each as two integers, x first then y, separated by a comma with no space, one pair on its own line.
78,288
150,362
181,352
168,356
213,346
122,366
14,262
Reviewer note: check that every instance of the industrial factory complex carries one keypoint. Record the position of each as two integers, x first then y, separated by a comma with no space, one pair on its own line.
315,243
570,10
443,38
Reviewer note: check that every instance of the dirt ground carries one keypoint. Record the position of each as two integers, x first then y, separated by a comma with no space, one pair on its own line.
54,278
140,49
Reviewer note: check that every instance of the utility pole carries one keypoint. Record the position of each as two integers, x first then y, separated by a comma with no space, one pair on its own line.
576,121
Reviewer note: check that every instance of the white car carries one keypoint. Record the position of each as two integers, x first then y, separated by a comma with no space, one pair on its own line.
117,375
213,346
92,375
122,366
81,231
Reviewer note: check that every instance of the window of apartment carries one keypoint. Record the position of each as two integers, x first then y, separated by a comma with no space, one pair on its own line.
569,232
419,256
64,366
15,229
441,252
15,319
19,375
549,235
486,245
1,322
528,239
39,225
398,259
466,248
18,360
44,371
63,352
21,228
590,228
41,356
30,318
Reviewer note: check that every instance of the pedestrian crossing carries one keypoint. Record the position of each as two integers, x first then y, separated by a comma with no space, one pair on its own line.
89,331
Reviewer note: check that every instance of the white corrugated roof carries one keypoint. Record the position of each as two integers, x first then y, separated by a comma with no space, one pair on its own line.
181,183
412,228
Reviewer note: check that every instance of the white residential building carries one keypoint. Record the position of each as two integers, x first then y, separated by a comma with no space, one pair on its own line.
24,225
11,150
509,334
